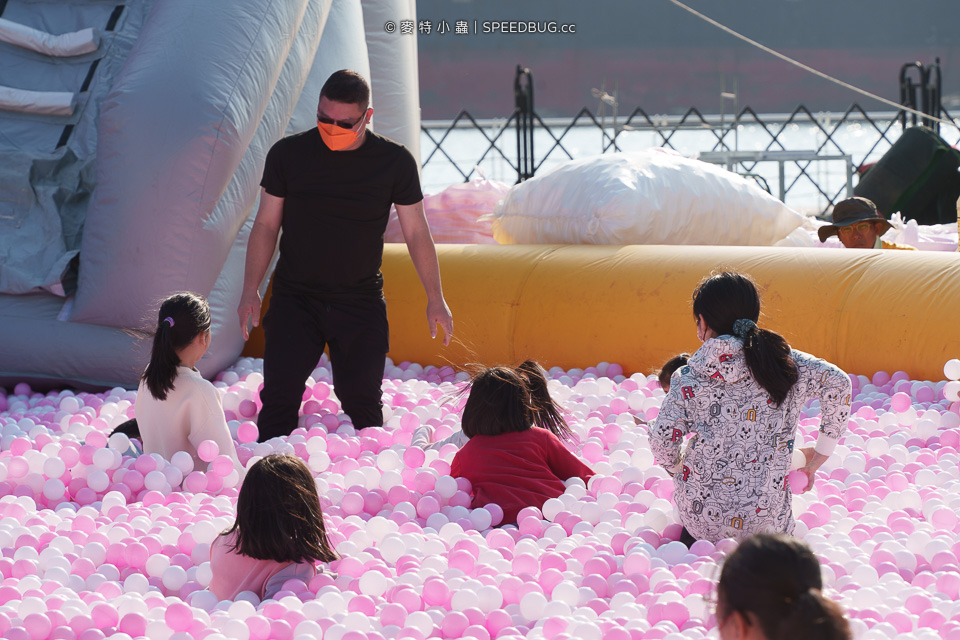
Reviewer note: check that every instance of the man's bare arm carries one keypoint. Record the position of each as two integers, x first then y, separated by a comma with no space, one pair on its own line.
260,247
416,233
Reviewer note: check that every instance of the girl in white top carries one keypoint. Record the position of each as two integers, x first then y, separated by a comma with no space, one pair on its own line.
176,407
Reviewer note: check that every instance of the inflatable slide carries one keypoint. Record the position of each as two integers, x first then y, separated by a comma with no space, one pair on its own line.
133,140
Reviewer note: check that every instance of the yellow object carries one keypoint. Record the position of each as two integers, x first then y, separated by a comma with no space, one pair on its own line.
893,245
578,305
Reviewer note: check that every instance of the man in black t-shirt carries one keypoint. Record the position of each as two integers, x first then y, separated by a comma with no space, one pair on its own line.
330,189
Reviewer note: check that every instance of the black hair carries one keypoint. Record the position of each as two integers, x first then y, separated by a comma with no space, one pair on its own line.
278,513
348,87
669,367
182,317
511,399
777,578
726,297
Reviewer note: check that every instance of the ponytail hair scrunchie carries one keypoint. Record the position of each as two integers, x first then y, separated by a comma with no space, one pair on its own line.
170,321
744,327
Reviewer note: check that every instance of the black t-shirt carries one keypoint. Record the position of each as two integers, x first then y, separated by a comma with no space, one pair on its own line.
335,210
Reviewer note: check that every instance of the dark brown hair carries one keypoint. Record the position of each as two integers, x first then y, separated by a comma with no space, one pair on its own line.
182,317
278,513
777,579
669,367
348,87
506,400
726,297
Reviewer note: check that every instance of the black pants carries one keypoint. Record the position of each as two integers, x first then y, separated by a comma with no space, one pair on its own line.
296,330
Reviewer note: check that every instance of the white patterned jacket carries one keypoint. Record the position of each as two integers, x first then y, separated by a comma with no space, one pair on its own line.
731,480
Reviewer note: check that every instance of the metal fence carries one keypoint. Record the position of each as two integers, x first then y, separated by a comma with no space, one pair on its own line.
522,144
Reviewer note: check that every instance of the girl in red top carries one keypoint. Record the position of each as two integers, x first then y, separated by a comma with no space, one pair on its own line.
506,460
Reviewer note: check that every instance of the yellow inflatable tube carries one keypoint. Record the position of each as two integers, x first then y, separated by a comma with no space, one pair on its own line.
578,305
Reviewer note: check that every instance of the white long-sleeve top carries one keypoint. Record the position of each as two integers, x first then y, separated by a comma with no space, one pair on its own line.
731,480
191,413
422,437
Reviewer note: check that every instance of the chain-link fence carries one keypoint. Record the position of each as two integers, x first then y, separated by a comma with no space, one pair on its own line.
809,159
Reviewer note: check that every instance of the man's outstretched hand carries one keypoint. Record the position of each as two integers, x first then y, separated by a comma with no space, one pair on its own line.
249,307
438,313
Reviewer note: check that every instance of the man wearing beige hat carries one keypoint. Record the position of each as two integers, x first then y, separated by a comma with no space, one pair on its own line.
859,226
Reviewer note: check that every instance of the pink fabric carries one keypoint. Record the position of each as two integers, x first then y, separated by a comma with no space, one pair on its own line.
234,573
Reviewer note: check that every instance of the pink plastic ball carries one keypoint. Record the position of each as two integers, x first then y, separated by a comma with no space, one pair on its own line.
222,465
414,457
96,439
496,512
196,482
435,592
104,615
133,624
352,503
37,625
393,614
453,625
247,408
798,481
925,394
178,616
247,432
900,402
208,450
427,506
20,446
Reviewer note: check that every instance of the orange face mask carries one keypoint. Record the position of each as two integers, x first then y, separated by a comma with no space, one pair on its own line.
337,138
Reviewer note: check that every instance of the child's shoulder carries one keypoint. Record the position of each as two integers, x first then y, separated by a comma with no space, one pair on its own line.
536,435
188,379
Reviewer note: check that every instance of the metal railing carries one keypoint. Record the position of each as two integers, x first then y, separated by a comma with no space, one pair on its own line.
451,150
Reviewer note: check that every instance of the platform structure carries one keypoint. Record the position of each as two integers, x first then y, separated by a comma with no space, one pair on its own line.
732,158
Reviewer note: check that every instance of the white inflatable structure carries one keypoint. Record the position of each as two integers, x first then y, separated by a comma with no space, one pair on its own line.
148,184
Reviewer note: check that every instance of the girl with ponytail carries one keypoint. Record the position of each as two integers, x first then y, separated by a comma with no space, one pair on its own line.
514,456
741,395
770,588
176,407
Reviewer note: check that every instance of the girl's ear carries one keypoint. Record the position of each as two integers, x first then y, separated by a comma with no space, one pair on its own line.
735,627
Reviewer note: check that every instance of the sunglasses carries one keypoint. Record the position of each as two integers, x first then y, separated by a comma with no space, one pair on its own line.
344,124
860,228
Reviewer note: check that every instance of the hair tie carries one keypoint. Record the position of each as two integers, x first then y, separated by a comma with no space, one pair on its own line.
170,321
743,327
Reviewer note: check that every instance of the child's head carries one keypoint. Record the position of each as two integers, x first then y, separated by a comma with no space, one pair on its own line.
505,400
183,318
669,367
773,582
728,303
278,513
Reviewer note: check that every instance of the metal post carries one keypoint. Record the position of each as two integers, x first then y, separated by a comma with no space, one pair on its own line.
932,95
523,97
908,91
783,186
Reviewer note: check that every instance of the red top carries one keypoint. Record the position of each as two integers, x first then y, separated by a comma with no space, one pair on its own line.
517,470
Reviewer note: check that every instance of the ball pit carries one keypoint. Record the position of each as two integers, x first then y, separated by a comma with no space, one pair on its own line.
98,545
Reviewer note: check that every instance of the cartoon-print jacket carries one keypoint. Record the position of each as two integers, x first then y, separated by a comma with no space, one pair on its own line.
732,479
